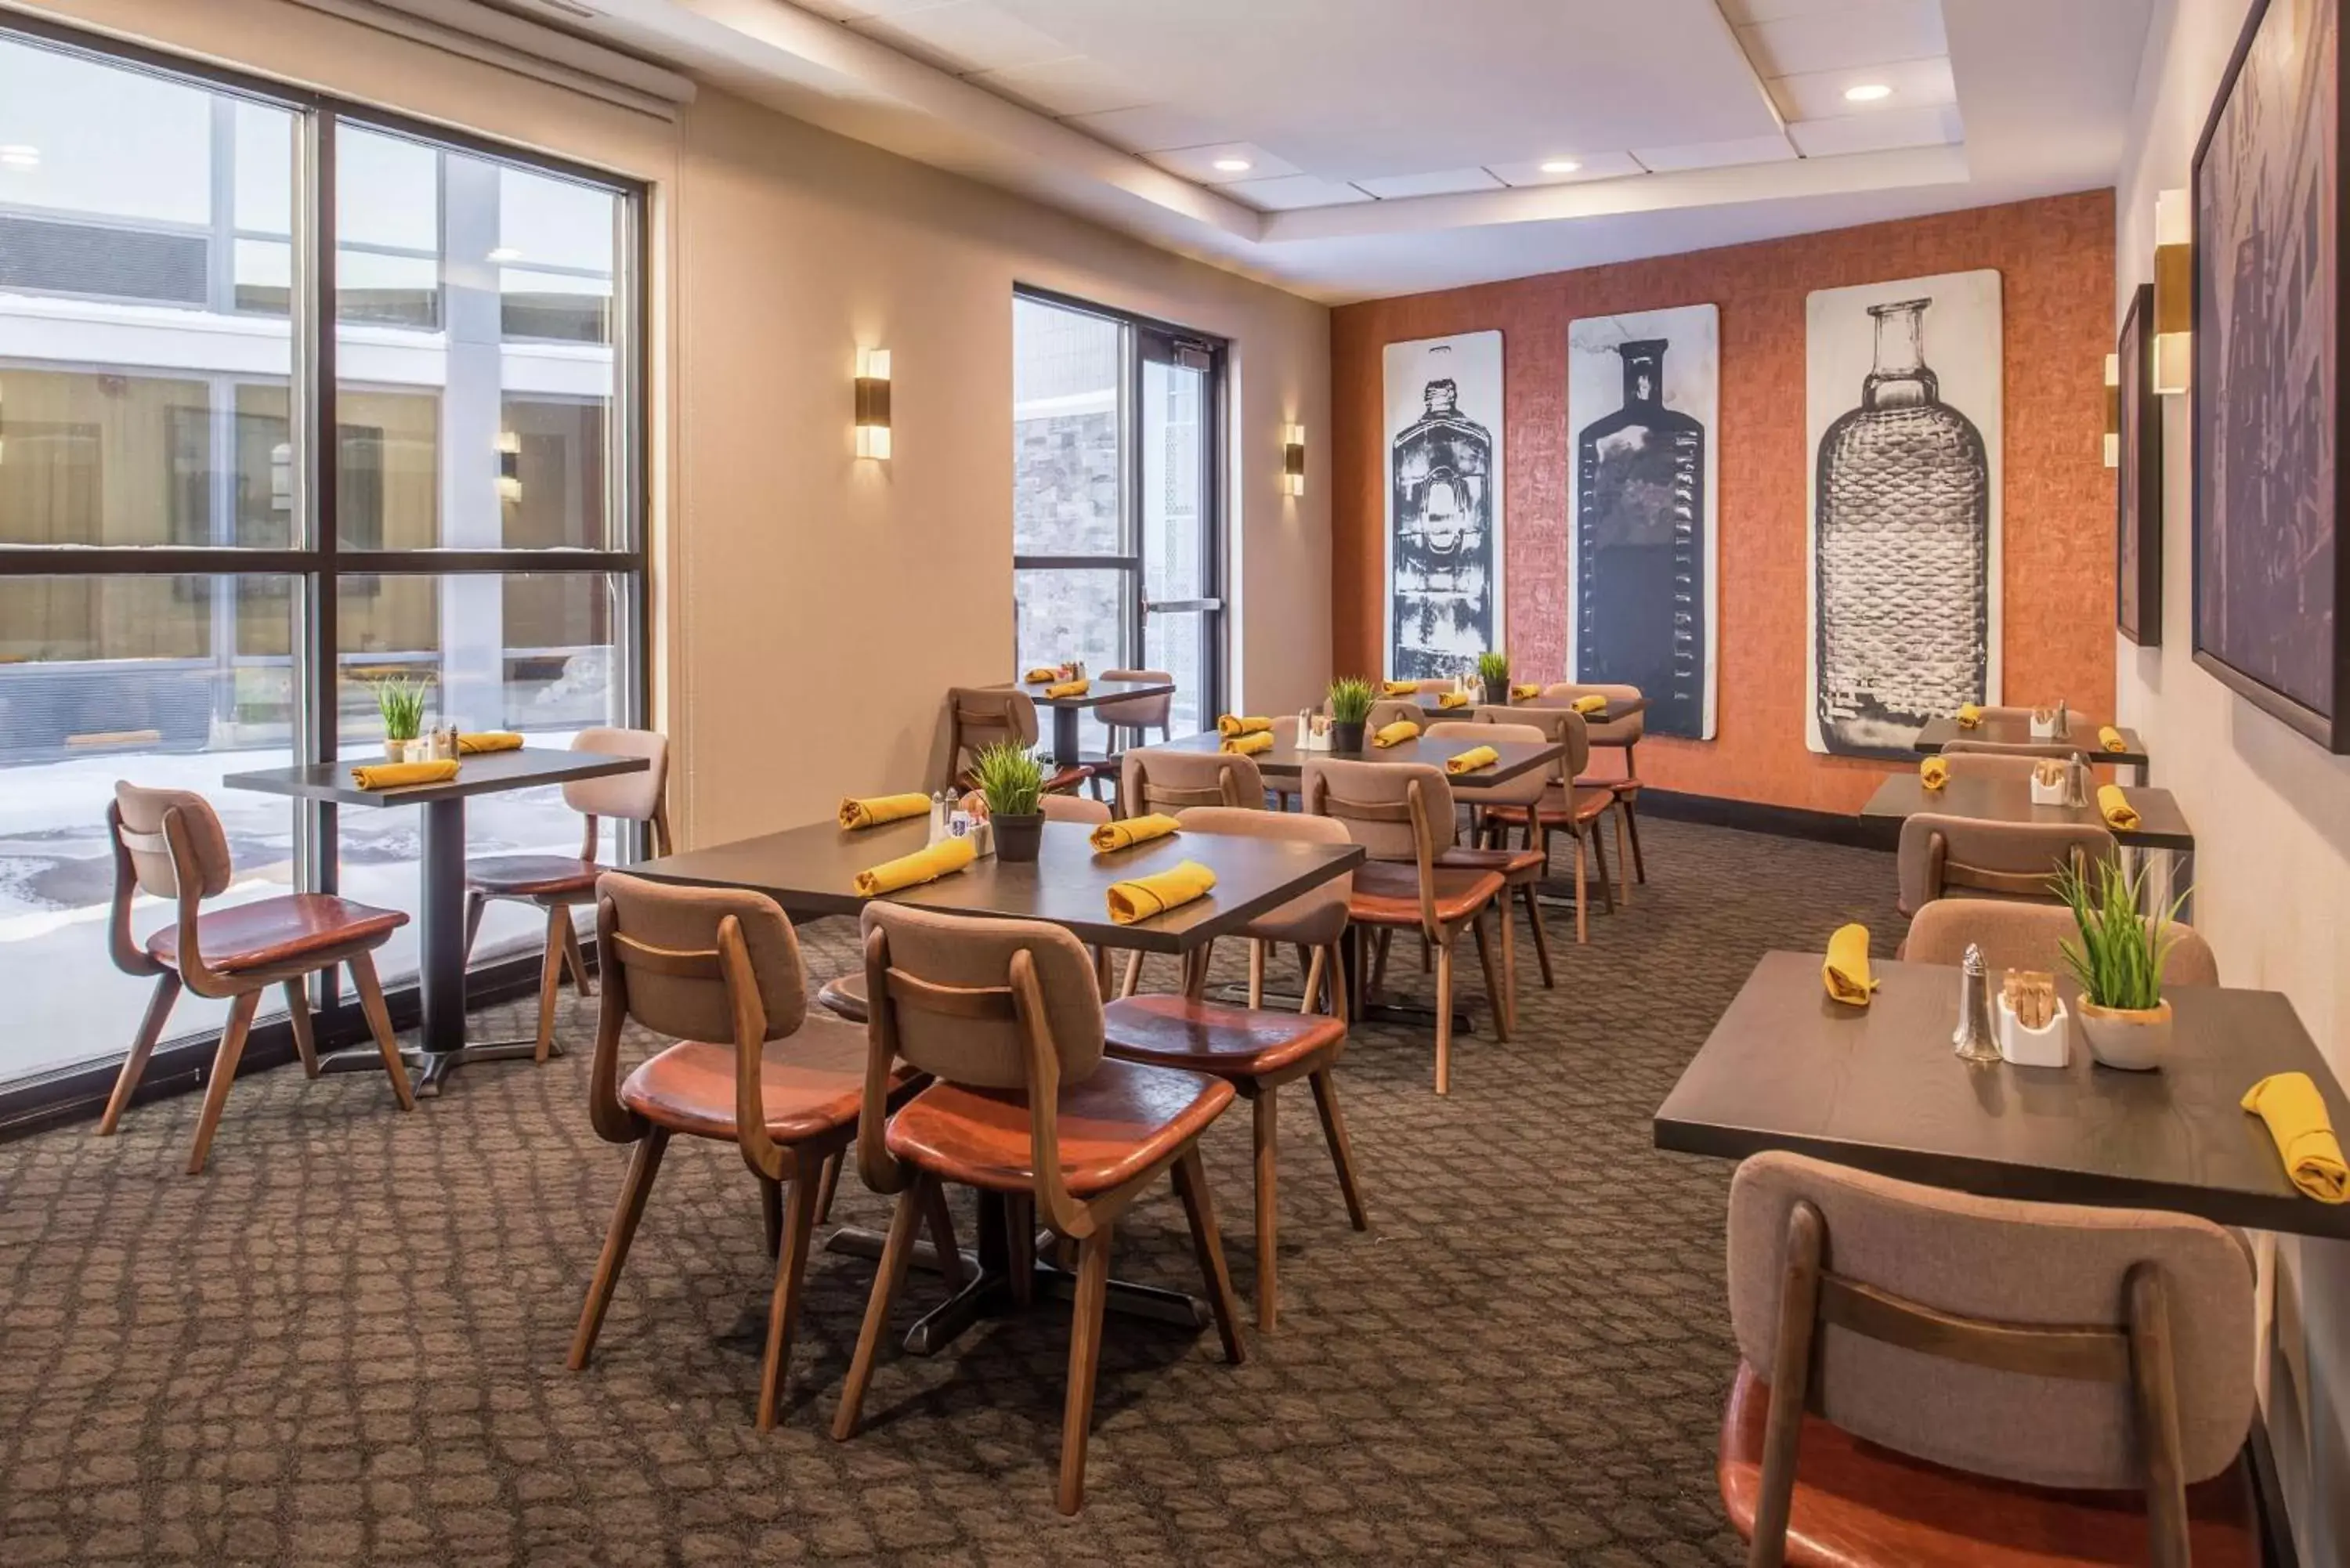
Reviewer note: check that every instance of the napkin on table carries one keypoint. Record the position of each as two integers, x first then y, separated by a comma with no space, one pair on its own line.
1248,745
1041,675
1526,691
1453,699
2115,808
400,776
1845,970
1473,759
1934,771
1134,830
1395,734
947,856
1969,715
2295,1113
1070,688
2111,739
488,740
1139,898
1399,688
881,808
1238,724
1589,702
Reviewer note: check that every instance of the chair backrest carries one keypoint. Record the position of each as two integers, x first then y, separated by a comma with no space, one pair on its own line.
2027,936
1527,789
1986,1392
2009,860
1314,917
1138,713
630,797
1387,710
1156,779
1618,731
666,938
1962,746
937,965
980,716
139,834
1979,765
1396,811
1074,808
1560,725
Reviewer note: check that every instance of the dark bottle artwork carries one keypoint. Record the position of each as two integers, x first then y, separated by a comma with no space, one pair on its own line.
1903,540
1640,568
1441,558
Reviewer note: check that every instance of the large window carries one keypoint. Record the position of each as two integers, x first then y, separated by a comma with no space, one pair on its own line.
293,396
1117,526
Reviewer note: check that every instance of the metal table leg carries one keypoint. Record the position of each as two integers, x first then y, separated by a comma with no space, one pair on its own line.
1064,737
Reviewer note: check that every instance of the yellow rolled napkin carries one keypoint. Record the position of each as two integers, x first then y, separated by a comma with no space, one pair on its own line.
1247,745
1589,702
945,857
2115,808
2111,739
1453,699
1135,830
1934,771
1399,688
488,740
400,776
1234,724
1473,759
881,808
1845,972
1395,734
1039,676
1139,898
1969,715
1526,691
2295,1113
1070,688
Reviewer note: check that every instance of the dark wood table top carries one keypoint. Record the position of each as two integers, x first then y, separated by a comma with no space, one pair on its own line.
2162,824
1879,1088
1097,692
812,871
2013,732
1287,762
485,772
1426,702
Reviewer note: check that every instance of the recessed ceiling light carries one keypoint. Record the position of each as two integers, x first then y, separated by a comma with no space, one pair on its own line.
1233,165
1867,92
18,155
1560,165
505,254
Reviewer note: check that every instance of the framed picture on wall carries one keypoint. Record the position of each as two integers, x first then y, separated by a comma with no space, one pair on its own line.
2138,482
1443,537
2269,584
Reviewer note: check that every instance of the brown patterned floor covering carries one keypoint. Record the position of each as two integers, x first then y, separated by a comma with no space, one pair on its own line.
345,1343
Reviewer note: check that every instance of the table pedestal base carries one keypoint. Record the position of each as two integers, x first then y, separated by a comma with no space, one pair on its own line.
429,1070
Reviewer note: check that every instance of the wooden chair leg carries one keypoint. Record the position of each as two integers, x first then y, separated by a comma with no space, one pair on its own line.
1581,893
1316,969
1497,997
1020,1252
940,1220
827,1185
644,1164
1199,1209
1509,958
896,1253
1623,856
297,1018
1533,895
1267,1107
1085,1360
150,1030
573,958
224,1060
550,979
1444,1016
1334,968
1256,971
1632,823
771,1214
379,1017
1384,940
1599,866
1342,1152
1133,981
783,1306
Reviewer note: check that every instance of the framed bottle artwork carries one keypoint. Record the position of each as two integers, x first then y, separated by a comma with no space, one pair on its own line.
2138,481
1443,538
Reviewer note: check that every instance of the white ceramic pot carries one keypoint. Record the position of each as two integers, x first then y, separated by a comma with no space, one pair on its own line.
395,751
2134,1039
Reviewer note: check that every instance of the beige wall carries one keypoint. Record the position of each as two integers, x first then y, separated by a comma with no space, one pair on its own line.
2271,810
785,568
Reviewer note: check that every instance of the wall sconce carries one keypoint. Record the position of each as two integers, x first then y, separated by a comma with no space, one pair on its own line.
873,402
2113,410
2174,292
1293,459
509,466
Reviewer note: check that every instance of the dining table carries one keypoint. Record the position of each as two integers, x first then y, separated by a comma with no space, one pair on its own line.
2015,730
1065,751
1285,760
2161,823
1430,703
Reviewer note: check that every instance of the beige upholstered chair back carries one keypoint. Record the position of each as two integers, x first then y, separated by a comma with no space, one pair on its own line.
1138,713
1966,765
1074,808
1963,746
1622,731
982,716
1373,799
1943,855
140,834
1559,725
1155,779
631,797
664,937
2028,936
1527,789
1388,710
1314,917
2002,1261
976,955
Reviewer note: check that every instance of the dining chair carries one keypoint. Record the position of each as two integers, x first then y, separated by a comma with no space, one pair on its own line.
1928,1379
1025,1106
1622,733
983,716
1984,765
1961,745
1152,780
1139,714
2029,937
1394,811
1566,806
558,884
169,844
1524,868
1257,1051
1385,710
1972,857
717,971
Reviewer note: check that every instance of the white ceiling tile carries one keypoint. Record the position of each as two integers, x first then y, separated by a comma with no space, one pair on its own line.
1153,128
1936,125
1059,88
1595,166
1395,187
1745,13
849,10
1294,191
1199,164
964,36
1819,95
1836,40
1714,154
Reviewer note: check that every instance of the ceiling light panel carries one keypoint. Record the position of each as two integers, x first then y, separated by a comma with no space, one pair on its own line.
964,36
1449,181
1853,36
1293,192
1200,163
1820,95
1063,88
1595,166
1715,154
1937,125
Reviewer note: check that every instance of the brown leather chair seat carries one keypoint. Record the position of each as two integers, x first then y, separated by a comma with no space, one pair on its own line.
269,931
1859,1504
1585,805
1209,1037
531,876
1511,864
1386,893
810,1082
844,996
1118,1123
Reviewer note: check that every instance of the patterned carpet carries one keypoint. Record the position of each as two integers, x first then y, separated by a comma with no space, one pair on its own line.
345,1342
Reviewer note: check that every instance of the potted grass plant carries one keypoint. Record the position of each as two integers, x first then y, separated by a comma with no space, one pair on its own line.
1012,781
1493,674
401,702
1350,708
2117,962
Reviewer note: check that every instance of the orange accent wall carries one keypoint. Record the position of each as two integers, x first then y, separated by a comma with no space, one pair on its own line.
2056,259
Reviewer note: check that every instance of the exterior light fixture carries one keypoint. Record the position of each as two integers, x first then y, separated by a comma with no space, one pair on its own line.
509,466
2174,292
873,403
1293,459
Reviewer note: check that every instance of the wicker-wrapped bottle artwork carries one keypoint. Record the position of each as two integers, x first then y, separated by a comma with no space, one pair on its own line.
1903,549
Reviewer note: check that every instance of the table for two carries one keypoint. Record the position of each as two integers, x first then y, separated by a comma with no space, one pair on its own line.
2012,730
1066,753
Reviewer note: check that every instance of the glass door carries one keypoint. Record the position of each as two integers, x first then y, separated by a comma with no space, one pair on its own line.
1180,610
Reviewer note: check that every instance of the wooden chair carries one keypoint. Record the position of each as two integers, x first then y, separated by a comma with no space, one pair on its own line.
2029,937
1173,781
1975,764
1566,806
1004,1016
1139,714
1963,746
981,716
1393,810
1928,1379
1255,1051
559,884
169,844
1622,733
1525,868
722,965
1967,856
